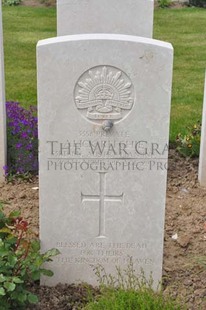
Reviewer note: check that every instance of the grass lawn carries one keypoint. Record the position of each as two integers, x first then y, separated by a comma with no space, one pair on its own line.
23,28
184,28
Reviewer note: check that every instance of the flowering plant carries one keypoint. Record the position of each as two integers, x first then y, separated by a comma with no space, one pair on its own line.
20,261
22,140
189,144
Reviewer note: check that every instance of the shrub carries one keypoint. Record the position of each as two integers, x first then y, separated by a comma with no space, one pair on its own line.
189,144
11,2
20,261
200,3
164,3
22,140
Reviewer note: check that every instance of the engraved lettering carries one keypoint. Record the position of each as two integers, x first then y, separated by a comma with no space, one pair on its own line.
52,146
122,147
155,149
140,148
66,147
96,148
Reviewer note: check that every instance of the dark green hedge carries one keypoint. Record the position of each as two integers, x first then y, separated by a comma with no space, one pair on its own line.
200,3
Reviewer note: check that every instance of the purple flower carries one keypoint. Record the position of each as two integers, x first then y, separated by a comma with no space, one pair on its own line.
18,145
29,147
22,139
24,135
6,170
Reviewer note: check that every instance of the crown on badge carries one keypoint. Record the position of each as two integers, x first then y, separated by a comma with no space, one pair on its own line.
104,90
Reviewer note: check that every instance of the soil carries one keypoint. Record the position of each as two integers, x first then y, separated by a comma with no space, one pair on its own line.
38,3
184,272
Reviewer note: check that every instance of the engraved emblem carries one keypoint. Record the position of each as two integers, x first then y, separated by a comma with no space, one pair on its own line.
104,93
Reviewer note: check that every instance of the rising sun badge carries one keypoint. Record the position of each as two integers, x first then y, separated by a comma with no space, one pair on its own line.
104,93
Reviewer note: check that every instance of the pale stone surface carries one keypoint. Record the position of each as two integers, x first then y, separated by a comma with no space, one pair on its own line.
133,17
202,159
102,193
2,105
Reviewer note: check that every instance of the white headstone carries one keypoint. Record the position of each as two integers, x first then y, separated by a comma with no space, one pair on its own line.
202,159
2,104
133,17
102,192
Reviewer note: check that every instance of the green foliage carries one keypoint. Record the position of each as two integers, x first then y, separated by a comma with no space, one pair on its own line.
20,261
200,3
164,3
123,279
128,291
189,145
11,2
144,299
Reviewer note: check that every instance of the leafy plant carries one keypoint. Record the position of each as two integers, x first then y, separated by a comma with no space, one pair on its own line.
164,3
128,291
22,140
20,261
123,279
132,300
11,2
189,144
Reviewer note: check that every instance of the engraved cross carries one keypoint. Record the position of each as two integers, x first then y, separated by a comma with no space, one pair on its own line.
102,198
